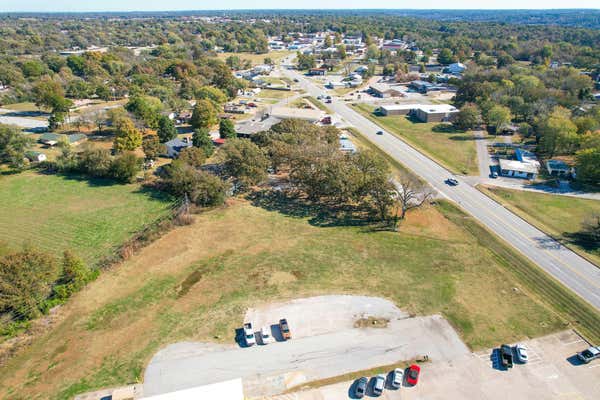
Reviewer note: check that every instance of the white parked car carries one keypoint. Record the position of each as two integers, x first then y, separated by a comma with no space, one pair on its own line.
249,334
265,335
379,385
397,378
521,351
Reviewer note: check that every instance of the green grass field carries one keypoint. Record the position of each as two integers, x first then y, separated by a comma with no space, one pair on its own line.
456,151
56,212
559,216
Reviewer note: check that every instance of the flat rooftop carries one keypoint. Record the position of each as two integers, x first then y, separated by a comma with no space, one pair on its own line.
514,165
437,108
296,113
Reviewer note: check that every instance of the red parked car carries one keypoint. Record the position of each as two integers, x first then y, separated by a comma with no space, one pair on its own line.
412,376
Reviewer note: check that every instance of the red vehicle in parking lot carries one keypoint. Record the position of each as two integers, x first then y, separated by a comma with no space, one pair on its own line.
412,376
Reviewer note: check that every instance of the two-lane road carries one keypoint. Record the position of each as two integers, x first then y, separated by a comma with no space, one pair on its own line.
567,267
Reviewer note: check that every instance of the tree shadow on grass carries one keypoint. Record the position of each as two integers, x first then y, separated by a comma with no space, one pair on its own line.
446,128
466,137
318,214
584,240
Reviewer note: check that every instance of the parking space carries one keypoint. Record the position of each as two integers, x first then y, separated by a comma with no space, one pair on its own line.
551,373
325,343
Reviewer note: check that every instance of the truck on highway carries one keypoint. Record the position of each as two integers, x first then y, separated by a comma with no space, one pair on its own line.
285,329
506,356
589,354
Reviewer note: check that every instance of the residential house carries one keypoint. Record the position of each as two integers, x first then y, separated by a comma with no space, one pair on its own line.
317,71
456,68
175,146
559,168
52,139
35,156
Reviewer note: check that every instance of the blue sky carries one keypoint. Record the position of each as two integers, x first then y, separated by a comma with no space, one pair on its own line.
159,5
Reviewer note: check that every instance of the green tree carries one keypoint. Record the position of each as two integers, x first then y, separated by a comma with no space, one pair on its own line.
468,117
13,145
146,108
227,129
127,137
47,93
204,115
181,179
201,139
125,167
26,279
152,147
306,61
74,276
557,133
446,57
244,161
588,166
498,117
192,156
95,162
166,129
211,93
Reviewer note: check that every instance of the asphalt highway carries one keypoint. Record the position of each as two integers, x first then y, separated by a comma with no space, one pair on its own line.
573,271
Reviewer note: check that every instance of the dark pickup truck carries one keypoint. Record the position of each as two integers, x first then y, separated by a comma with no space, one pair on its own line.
506,356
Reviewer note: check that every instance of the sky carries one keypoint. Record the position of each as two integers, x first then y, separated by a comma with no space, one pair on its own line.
172,5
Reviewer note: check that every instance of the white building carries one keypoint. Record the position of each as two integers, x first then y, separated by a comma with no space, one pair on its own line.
517,169
228,390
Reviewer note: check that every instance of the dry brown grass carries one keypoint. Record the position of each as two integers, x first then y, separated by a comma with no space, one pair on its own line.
235,257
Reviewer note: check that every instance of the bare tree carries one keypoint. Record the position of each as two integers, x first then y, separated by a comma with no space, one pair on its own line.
100,121
408,194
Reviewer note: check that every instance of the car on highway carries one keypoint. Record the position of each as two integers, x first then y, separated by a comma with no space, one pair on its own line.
412,376
589,354
285,329
397,378
296,80
265,335
249,334
506,356
380,132
521,352
451,182
360,387
378,385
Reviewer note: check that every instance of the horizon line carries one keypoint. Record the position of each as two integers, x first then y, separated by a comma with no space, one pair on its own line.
292,9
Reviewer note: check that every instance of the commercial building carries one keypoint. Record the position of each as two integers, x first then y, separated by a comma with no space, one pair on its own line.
435,113
384,91
228,390
397,109
517,169
309,115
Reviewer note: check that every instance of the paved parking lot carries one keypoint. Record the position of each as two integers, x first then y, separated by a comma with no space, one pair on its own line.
313,353
551,373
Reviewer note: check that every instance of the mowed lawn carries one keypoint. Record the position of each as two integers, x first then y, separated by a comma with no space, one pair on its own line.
456,151
55,213
559,216
196,282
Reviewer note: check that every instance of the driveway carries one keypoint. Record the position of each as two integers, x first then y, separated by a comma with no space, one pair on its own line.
326,351
549,374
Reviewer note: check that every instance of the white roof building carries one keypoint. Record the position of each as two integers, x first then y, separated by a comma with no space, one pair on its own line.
457,68
296,113
228,390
